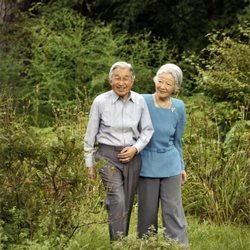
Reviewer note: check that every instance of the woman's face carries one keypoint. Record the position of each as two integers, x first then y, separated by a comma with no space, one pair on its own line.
121,82
165,85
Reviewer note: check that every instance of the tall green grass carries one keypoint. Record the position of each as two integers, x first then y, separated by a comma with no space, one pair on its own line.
202,236
217,165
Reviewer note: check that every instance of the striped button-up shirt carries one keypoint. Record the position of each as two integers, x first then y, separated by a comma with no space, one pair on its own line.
117,123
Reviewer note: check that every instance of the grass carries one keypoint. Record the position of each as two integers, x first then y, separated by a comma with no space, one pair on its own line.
206,236
202,236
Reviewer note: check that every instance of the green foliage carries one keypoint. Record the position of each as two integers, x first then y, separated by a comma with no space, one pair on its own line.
158,242
47,201
44,188
146,54
48,79
62,56
96,236
58,54
238,138
217,189
205,235
223,75
3,237
226,74
184,23
210,236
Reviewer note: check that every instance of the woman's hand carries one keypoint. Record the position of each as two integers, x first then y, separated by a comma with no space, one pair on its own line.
183,177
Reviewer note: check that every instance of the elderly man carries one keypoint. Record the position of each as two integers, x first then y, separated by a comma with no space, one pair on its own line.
120,125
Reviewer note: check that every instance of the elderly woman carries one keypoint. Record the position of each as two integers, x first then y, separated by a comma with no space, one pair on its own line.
162,171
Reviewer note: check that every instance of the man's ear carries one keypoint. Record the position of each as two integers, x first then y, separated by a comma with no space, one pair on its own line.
110,81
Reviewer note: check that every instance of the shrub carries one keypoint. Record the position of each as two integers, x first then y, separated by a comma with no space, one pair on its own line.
44,188
217,188
59,54
62,56
225,75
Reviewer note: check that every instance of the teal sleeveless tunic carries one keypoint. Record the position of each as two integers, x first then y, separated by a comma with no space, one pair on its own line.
163,157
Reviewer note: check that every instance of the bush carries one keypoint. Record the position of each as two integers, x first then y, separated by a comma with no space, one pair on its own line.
225,76
60,54
217,188
44,188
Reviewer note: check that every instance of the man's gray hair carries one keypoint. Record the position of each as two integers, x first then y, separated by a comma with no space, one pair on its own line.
172,69
123,65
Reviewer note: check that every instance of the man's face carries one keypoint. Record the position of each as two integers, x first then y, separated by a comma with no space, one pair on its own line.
121,82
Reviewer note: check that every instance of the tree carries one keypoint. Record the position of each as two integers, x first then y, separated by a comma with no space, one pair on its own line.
6,10
224,75
9,10
185,23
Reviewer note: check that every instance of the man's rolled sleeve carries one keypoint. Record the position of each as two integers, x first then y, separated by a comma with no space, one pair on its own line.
90,136
89,159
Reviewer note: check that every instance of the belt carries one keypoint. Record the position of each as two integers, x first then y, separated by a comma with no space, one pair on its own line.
109,147
160,150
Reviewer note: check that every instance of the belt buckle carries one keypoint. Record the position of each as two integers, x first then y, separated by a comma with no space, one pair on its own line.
161,150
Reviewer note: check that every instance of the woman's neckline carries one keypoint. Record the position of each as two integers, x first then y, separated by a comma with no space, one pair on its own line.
159,105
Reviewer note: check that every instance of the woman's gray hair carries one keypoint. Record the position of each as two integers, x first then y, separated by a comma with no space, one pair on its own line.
123,65
172,69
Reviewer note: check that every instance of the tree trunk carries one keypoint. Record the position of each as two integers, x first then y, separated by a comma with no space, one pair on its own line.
7,12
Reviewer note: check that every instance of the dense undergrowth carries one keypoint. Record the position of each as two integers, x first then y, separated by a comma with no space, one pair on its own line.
48,80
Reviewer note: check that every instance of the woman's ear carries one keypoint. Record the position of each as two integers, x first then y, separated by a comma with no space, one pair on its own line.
176,90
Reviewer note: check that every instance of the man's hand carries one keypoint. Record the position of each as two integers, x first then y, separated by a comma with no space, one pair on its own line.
183,177
92,173
127,154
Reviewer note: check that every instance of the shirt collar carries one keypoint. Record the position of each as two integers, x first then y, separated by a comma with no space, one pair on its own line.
116,97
